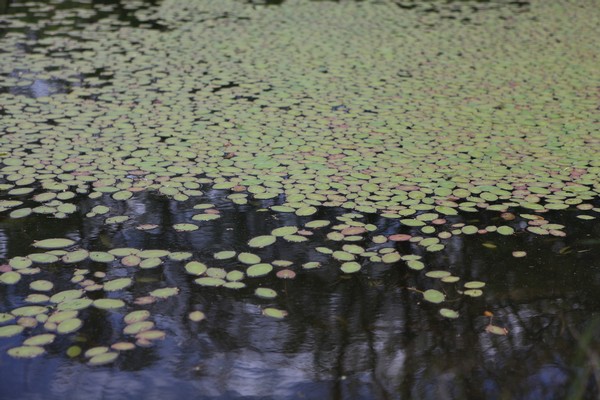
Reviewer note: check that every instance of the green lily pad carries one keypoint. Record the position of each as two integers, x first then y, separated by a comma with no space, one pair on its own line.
437,274
136,316
117,284
184,227
57,243
434,296
208,281
195,268
137,327
446,312
224,255
262,241
248,258
350,267
260,269
274,313
69,326
284,231
165,292
196,316
40,340
103,359
26,351
265,293
474,285
10,278
29,311
10,330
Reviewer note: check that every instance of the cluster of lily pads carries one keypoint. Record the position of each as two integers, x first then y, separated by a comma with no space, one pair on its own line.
380,115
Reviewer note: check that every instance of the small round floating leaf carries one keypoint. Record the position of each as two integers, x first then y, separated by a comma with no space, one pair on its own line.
284,231
205,217
94,351
40,340
151,335
519,254
248,258
101,256
262,241
311,265
434,296
306,211
56,243
324,250
60,316
65,295
153,253
350,267
473,292
505,230
195,268
474,284
224,255
295,238
496,330
117,284
196,316
208,281
69,326
265,293
5,317
415,264
391,258
10,277
29,311
183,227
450,279
216,272
131,260
103,359
10,330
343,256
74,305
164,293
234,285
122,195
26,351
317,223
137,327
108,304
437,274
149,263
274,313
20,262
123,251
73,351
136,316
448,313
285,274
235,275
122,346
257,270
75,256
43,258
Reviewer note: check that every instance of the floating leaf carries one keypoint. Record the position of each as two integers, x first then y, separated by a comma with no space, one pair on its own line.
434,296
224,255
10,330
10,277
69,326
40,340
350,267
248,258
473,292
137,327
274,313
196,316
474,285
117,284
57,243
391,258
262,241
265,293
103,359
183,227
26,351
195,268
437,274
446,312
496,330
257,270
29,311
164,292
136,316
284,231
208,281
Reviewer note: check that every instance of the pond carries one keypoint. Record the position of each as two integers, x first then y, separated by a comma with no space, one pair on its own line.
299,199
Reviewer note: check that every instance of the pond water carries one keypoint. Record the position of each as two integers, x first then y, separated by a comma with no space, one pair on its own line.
122,122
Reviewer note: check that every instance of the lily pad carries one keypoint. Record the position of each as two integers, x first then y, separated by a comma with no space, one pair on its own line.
434,296
108,304
26,351
262,241
56,243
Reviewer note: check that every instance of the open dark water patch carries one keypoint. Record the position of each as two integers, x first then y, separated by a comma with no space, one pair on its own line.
308,199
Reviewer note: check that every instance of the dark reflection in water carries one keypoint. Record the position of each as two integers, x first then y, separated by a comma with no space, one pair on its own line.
362,336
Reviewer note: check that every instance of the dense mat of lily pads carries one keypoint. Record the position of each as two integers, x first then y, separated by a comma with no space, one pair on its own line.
366,106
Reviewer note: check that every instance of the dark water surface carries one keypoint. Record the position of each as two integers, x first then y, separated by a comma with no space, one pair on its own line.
360,336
